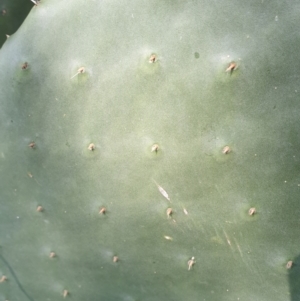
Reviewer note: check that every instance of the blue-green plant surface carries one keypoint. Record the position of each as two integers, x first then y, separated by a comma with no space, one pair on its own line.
150,151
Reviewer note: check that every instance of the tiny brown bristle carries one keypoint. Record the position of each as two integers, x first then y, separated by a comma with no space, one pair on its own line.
289,264
115,259
152,58
52,254
226,150
154,148
252,211
91,147
102,210
25,66
39,209
231,67
169,212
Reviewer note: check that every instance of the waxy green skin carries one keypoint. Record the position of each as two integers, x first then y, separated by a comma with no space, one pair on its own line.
192,108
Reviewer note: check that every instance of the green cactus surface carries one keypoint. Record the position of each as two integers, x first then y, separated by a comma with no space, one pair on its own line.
150,152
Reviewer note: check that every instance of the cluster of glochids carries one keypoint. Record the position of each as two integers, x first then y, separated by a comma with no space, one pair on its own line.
154,148
232,66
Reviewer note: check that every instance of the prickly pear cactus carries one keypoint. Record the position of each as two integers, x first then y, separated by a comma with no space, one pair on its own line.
150,151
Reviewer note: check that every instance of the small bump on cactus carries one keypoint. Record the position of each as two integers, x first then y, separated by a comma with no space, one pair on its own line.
115,259
91,147
39,209
65,293
52,254
252,211
102,210
79,71
289,264
226,150
3,279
